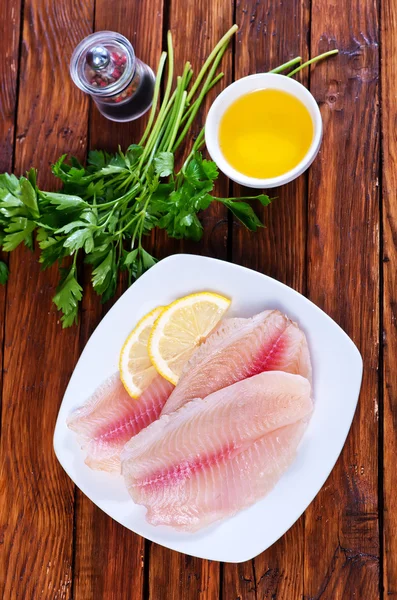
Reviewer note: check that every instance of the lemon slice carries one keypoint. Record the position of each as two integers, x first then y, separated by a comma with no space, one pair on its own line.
180,328
135,366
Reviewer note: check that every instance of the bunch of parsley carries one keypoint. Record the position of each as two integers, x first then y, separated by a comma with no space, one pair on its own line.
100,214
105,209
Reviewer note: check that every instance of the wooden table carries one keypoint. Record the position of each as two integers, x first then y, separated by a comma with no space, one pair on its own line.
330,235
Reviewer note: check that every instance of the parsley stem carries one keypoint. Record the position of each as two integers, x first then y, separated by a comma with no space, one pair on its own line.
120,248
125,182
203,92
312,60
109,216
142,222
167,116
182,83
128,213
196,146
223,42
128,224
168,125
128,196
191,107
115,178
177,121
238,198
156,93
150,159
160,117
199,141
287,65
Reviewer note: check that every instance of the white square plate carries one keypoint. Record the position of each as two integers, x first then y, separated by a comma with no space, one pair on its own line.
337,372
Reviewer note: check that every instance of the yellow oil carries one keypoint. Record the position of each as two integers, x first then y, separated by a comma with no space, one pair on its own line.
265,133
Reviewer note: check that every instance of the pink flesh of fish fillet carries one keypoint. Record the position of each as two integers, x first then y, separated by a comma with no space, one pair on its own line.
213,457
241,348
111,417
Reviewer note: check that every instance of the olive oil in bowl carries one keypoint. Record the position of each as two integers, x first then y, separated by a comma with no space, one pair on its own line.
265,133
264,130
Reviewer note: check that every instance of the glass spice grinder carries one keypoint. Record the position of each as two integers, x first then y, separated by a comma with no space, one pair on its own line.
104,65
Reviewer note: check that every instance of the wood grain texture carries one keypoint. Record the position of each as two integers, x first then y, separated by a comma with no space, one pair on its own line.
9,47
9,50
109,559
173,576
37,511
343,279
389,180
267,38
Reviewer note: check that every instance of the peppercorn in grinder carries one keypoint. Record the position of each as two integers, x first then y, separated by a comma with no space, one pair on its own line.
104,65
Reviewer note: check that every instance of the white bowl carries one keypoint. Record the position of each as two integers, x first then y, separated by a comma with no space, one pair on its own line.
239,88
337,370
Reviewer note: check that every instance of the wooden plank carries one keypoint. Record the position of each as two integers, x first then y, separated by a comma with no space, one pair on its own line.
342,537
37,511
204,23
389,179
174,576
270,34
104,550
9,48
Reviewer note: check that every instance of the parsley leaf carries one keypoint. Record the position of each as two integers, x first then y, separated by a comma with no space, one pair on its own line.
133,154
130,258
244,213
28,197
101,275
51,248
18,230
64,201
3,272
78,239
164,164
9,183
263,199
147,259
68,296
97,158
200,171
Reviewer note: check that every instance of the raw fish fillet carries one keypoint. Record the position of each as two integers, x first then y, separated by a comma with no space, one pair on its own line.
241,348
111,417
213,457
